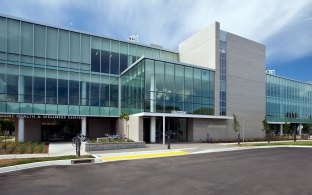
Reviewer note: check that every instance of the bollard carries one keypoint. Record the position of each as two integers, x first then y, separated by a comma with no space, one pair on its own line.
169,141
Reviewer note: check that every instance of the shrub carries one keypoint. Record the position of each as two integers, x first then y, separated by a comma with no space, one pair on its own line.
12,148
22,148
32,148
41,148
113,140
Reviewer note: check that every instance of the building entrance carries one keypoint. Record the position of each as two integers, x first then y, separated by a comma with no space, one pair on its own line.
59,129
177,127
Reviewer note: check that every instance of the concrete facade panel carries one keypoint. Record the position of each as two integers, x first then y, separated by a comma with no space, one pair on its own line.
200,48
246,83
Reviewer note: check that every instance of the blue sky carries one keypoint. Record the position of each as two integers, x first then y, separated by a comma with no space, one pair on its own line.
284,26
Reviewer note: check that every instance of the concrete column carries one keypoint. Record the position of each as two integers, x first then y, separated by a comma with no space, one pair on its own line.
153,95
83,93
164,130
21,89
21,129
300,129
281,129
84,126
153,130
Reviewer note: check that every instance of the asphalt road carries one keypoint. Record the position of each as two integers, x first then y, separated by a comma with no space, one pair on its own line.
258,171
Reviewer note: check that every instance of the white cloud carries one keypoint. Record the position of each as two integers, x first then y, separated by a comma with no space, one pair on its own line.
168,22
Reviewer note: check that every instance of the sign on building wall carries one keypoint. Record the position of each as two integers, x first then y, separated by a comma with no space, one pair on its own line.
39,116
178,112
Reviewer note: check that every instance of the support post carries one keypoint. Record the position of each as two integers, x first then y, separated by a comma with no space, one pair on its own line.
295,133
281,129
84,126
300,129
164,130
153,130
243,131
21,129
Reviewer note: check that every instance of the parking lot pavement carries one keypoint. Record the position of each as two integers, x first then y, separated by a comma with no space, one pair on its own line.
254,171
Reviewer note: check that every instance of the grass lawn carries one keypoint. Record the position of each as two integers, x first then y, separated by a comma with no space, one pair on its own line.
23,148
292,143
19,161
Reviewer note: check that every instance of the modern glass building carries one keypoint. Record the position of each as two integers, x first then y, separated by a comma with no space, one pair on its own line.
52,74
56,82
288,101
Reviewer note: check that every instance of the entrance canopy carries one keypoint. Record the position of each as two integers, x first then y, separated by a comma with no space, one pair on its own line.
177,114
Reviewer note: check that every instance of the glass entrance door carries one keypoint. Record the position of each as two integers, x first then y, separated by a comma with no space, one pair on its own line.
59,129
177,127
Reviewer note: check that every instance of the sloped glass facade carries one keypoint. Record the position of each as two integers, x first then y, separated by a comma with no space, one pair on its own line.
48,70
288,100
161,86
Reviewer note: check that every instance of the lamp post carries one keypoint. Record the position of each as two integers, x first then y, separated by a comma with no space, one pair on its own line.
164,95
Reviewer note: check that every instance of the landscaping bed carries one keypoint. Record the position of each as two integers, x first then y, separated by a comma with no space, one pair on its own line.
23,148
112,144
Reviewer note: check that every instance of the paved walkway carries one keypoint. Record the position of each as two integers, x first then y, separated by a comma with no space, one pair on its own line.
192,147
63,149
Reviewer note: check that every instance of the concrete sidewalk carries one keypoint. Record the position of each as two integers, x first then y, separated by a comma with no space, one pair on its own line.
190,147
55,149
66,148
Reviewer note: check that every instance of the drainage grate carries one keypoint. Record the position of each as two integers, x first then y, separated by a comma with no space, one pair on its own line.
83,160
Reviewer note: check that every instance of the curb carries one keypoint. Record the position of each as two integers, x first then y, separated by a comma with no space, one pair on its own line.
247,148
33,165
41,164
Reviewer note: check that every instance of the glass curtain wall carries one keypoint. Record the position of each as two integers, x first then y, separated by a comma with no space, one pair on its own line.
223,73
47,70
132,89
163,87
288,100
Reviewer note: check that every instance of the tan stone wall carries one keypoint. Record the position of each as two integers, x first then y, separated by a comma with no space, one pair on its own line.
190,131
135,124
32,130
217,129
98,127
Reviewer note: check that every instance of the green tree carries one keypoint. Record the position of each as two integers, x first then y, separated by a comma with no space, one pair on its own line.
236,127
6,128
286,127
125,116
266,128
